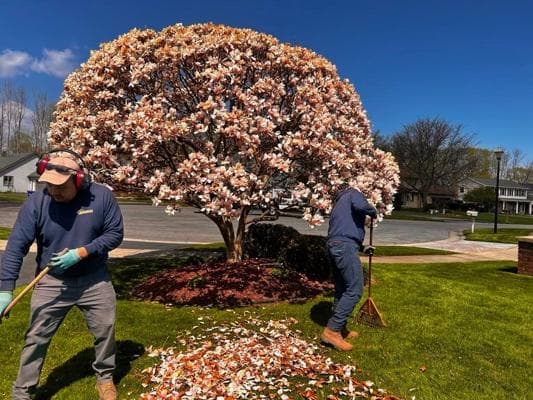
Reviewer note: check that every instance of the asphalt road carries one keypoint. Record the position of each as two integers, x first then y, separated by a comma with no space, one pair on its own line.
148,227
146,223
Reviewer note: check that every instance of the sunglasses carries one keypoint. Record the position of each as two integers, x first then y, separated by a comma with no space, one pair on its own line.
60,168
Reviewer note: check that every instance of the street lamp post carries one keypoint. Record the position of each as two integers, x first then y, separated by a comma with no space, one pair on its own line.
498,153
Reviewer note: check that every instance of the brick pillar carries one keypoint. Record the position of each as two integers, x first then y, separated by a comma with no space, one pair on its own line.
525,255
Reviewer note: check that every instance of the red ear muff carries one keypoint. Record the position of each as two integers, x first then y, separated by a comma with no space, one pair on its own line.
79,179
82,178
41,165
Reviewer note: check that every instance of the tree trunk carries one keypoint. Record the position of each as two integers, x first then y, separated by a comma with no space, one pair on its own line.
424,195
233,240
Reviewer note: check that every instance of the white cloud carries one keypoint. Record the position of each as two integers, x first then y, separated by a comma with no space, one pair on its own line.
13,62
57,63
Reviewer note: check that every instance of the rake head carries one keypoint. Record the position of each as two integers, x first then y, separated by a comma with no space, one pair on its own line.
370,315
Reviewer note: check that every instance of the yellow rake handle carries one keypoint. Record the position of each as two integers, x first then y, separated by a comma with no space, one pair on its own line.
24,291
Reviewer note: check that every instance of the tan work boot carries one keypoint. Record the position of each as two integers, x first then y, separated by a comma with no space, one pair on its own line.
347,334
335,339
106,390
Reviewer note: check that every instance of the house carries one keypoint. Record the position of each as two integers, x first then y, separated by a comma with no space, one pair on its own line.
438,196
18,173
514,198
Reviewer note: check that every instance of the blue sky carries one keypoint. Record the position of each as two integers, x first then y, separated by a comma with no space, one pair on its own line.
469,62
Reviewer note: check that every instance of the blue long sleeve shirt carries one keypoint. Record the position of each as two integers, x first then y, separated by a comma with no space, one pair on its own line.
347,220
92,220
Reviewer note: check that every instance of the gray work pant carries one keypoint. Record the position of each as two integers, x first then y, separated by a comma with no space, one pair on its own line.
51,301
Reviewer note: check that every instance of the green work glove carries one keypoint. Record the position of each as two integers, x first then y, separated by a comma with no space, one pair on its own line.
65,261
5,299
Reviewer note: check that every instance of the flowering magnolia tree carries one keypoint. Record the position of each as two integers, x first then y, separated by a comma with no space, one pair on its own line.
217,117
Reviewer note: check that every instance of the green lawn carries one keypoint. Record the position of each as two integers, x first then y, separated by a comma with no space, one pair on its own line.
4,233
408,251
455,331
419,215
413,215
502,236
13,197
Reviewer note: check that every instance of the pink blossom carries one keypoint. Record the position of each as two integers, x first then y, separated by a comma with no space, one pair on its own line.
217,117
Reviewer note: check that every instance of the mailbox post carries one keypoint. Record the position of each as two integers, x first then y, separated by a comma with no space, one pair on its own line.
473,214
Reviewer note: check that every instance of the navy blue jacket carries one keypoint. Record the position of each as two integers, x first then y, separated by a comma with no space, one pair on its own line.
92,220
347,221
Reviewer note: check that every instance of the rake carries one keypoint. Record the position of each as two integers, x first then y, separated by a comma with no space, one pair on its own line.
30,285
369,313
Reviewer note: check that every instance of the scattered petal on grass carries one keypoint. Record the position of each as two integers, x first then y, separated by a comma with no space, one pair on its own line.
253,359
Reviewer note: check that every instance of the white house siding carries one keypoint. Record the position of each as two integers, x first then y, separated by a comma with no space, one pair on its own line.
20,180
513,198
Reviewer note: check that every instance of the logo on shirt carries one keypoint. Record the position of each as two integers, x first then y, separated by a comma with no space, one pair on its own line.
86,211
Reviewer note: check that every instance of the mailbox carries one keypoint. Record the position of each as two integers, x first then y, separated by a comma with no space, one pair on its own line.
472,213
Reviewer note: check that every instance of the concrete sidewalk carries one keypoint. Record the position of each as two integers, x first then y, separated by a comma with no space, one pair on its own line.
467,251
119,253
510,254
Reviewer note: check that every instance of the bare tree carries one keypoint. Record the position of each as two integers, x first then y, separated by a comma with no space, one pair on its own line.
23,143
6,117
2,120
380,141
512,165
523,173
516,168
433,152
41,118
18,108
485,166
12,112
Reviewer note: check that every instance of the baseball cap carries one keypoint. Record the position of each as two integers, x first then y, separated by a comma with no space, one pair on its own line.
58,170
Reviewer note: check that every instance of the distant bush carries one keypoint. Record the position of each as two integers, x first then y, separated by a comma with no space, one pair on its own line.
484,196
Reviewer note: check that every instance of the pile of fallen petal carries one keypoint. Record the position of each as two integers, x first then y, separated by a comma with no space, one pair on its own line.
252,360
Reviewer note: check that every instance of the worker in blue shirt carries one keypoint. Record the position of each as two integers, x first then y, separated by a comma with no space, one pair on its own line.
83,218
346,234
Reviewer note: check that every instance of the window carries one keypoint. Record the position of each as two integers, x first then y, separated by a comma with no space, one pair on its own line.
461,189
8,181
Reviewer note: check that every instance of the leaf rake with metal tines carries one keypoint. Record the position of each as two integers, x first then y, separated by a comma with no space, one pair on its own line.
369,313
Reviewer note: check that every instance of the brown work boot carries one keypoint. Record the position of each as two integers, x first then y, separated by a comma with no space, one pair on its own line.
106,390
335,339
347,334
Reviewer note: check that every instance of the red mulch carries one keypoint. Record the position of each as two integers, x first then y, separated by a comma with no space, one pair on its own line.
223,284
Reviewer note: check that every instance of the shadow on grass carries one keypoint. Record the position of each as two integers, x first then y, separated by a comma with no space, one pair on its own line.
510,269
79,367
128,273
321,312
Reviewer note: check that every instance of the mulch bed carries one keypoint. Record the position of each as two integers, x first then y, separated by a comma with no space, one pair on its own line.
222,284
